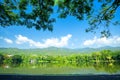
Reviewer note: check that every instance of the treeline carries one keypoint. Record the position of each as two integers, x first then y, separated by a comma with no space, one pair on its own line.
100,56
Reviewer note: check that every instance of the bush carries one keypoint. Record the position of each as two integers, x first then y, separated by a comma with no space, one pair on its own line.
17,59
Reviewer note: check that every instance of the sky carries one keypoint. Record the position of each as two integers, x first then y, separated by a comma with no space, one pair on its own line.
67,33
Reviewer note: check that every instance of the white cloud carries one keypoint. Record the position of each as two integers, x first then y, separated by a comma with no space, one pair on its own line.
99,42
8,40
62,42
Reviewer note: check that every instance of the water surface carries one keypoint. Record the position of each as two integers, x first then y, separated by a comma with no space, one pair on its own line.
99,68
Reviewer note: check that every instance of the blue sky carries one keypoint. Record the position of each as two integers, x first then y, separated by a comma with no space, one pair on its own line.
67,33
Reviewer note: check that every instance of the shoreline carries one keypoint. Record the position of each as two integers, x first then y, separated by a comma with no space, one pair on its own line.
59,77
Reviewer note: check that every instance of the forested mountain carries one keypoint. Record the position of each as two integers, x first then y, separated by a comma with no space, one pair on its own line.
55,51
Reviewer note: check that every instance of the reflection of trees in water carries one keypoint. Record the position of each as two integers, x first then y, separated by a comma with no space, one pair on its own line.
110,67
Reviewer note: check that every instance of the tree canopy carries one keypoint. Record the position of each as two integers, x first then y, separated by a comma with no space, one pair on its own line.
37,13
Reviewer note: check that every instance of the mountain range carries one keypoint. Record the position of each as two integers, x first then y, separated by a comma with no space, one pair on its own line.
55,50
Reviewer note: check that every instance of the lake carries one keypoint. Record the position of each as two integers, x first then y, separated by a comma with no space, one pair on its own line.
43,70
61,69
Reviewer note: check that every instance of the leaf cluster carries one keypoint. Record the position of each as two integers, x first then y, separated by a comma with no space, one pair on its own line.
37,13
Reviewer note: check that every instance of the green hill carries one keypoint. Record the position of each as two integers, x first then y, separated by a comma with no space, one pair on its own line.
55,51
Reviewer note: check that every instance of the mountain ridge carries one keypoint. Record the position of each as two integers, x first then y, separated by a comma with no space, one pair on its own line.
68,49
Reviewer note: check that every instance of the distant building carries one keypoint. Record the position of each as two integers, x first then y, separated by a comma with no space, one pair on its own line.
9,55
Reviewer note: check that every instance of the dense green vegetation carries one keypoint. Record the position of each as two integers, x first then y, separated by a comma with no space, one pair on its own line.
99,56
45,63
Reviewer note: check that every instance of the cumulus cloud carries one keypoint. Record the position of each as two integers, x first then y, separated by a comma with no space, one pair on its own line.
8,40
99,42
63,41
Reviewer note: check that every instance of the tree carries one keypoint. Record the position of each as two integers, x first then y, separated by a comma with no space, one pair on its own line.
106,55
15,12
16,59
1,58
96,56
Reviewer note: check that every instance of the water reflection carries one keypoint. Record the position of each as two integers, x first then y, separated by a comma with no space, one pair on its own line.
63,68
108,67
6,66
